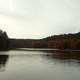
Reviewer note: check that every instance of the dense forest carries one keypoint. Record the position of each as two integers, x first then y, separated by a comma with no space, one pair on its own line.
64,41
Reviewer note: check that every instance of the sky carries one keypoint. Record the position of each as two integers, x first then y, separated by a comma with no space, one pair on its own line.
39,18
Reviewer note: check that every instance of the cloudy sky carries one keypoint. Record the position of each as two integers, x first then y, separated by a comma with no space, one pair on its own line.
39,18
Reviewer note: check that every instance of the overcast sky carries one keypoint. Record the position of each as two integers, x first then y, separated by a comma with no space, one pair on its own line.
39,18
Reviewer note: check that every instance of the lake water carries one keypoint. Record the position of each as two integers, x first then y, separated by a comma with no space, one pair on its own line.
34,65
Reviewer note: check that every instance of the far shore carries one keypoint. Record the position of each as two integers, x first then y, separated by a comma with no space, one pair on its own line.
45,49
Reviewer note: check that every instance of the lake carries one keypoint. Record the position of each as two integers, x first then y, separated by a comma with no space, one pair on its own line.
34,65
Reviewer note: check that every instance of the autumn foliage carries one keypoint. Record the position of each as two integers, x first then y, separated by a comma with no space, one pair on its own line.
65,41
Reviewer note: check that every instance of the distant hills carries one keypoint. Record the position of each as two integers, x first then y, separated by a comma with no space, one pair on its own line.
64,41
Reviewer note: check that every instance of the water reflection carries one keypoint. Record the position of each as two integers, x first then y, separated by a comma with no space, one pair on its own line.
69,58
3,61
25,65
64,54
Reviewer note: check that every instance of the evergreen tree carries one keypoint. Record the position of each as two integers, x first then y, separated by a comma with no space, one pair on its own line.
3,40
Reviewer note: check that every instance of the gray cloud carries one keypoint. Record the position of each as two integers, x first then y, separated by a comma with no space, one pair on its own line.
41,18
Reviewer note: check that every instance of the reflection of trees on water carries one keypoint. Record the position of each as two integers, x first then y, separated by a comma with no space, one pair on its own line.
67,58
64,54
3,61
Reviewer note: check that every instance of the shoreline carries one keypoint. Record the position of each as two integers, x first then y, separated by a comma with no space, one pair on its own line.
45,49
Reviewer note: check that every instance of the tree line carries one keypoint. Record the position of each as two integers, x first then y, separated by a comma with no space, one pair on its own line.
64,41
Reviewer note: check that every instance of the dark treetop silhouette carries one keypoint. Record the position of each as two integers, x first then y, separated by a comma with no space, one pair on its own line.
3,40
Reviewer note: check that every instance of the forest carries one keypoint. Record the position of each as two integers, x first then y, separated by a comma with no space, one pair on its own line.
62,41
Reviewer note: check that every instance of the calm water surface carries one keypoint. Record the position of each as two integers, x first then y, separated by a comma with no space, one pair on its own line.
33,65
